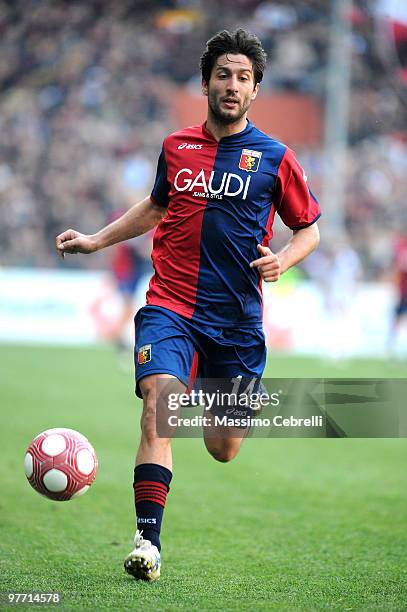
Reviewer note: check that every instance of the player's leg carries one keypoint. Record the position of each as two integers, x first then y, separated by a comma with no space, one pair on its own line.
245,359
152,476
223,442
164,354
153,467
153,447
226,443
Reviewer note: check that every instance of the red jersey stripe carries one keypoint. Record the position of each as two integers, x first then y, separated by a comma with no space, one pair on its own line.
177,241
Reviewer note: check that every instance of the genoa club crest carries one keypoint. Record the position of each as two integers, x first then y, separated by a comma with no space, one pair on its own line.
144,354
249,160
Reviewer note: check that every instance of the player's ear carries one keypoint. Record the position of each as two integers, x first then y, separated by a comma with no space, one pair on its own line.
204,87
255,91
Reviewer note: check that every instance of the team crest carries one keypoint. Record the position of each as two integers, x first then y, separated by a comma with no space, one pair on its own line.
249,160
144,354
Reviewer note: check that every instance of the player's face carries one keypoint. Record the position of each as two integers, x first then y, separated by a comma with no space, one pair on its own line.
231,88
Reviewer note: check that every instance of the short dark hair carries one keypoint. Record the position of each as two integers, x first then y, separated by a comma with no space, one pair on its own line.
237,42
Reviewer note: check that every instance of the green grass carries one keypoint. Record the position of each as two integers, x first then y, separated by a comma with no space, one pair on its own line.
291,524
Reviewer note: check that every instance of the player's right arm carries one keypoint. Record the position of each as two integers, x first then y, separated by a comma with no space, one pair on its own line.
141,218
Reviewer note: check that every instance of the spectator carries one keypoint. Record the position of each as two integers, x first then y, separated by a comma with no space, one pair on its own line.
83,107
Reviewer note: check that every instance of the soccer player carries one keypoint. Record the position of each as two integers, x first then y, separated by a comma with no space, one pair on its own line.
400,309
217,189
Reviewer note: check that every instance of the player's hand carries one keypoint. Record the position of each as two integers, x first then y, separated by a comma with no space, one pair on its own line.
268,264
72,242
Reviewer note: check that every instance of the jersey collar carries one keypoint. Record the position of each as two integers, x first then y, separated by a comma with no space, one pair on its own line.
236,136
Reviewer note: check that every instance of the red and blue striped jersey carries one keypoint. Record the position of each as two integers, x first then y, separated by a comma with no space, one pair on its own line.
221,199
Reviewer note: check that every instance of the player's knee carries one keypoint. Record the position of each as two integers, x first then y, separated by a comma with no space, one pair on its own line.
224,454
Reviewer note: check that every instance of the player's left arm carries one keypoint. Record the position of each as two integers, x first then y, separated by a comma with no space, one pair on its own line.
299,210
272,265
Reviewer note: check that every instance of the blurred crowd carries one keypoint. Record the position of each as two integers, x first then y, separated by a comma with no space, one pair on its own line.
84,90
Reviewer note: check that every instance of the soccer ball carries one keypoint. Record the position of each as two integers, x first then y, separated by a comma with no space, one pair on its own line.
60,464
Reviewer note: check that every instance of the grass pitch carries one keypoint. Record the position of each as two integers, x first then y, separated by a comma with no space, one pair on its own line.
291,524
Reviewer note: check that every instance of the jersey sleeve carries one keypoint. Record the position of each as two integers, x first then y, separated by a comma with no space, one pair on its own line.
161,187
295,203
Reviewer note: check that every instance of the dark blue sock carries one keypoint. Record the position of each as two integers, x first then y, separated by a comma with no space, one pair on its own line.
151,485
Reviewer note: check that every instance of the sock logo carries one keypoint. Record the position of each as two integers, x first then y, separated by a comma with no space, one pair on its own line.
146,521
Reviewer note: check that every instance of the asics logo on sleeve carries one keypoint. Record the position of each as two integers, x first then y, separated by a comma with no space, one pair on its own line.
185,145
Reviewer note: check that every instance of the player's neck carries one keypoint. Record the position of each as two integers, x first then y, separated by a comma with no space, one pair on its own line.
220,130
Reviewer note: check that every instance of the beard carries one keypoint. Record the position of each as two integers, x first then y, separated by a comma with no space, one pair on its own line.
226,117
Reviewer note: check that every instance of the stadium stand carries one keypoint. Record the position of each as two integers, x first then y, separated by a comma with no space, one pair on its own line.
84,105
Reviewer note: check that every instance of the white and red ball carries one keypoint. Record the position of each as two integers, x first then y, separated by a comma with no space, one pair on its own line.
60,464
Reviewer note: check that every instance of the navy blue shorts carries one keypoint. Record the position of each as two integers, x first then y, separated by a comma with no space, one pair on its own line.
167,343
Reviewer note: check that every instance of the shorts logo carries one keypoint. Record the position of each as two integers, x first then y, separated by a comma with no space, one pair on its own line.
144,354
249,160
